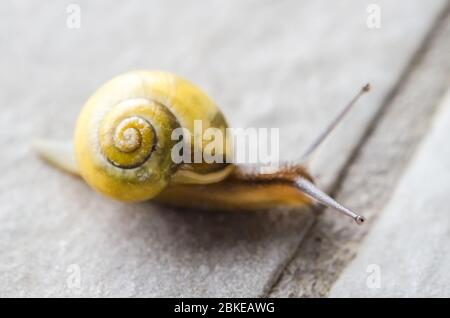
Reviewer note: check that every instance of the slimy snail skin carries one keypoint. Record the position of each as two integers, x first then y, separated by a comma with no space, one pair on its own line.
123,142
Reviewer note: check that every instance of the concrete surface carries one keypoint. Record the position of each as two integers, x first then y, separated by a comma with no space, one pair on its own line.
283,64
407,253
371,176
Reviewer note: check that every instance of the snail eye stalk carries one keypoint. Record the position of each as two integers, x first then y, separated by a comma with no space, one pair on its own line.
311,190
308,187
332,125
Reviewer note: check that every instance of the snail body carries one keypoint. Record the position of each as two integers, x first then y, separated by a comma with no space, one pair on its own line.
123,148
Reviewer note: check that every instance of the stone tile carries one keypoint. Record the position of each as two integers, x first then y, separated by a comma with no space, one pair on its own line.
407,252
289,64
374,171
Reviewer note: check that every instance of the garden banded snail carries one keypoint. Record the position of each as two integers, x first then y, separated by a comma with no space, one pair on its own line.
122,148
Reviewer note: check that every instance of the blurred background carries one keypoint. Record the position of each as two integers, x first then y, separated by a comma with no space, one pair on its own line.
286,64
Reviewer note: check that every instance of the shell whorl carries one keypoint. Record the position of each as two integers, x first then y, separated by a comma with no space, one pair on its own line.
127,137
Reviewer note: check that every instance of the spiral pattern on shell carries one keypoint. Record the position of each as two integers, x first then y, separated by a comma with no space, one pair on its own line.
127,136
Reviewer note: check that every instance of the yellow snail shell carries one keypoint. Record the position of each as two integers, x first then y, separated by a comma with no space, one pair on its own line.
123,135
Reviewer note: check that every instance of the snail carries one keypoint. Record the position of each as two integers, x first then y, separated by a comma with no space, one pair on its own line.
124,140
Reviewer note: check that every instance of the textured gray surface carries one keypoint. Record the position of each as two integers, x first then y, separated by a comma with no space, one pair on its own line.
371,177
287,64
407,253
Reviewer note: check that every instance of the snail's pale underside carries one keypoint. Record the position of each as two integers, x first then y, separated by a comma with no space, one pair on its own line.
122,148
